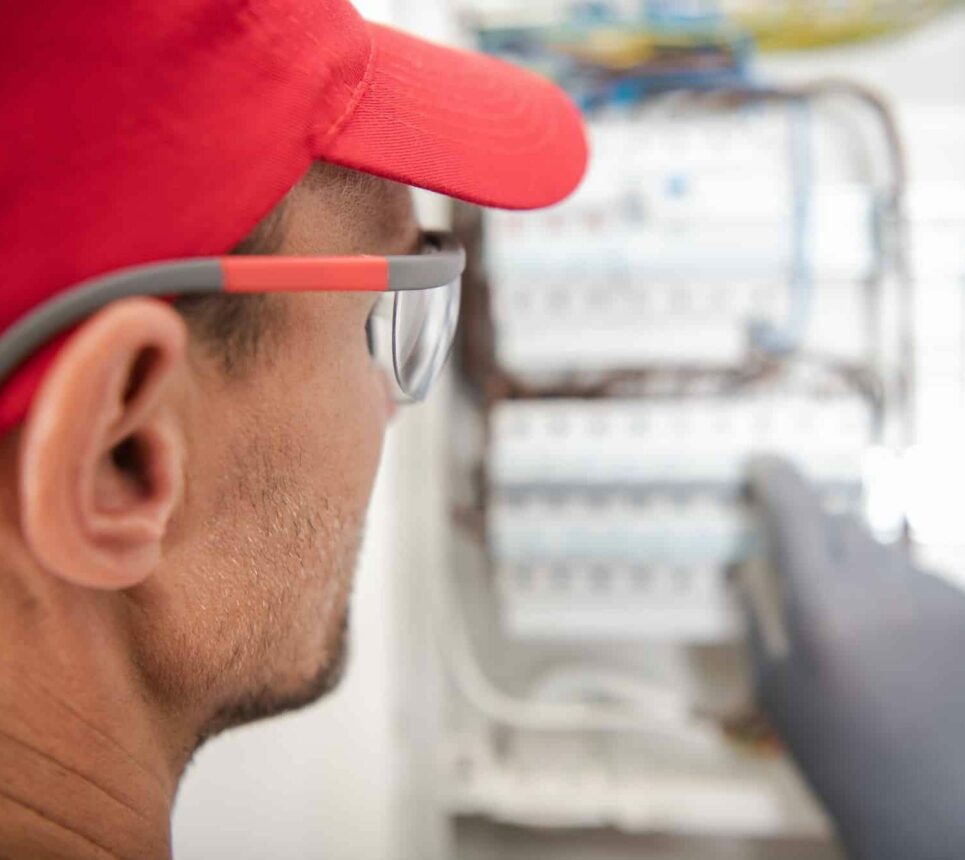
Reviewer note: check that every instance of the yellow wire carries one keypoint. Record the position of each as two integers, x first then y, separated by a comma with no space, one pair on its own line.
798,25
792,25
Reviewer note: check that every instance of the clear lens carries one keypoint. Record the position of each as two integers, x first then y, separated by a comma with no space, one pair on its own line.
378,330
423,327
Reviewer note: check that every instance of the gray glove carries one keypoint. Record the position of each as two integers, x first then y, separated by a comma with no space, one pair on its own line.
868,686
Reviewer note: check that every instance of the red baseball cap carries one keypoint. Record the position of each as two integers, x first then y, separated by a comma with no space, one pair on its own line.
138,130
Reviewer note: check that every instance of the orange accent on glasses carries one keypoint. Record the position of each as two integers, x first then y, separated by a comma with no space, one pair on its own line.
304,274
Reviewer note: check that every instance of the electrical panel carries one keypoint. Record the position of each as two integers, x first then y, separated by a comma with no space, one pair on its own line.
702,301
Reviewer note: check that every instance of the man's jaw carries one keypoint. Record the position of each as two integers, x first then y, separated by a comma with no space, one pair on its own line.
269,701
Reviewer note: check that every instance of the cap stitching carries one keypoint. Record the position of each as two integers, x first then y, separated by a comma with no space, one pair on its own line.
321,144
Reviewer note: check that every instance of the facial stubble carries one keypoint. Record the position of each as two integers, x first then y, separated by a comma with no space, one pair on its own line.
296,537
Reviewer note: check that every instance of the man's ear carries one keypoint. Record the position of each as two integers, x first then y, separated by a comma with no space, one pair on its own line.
101,453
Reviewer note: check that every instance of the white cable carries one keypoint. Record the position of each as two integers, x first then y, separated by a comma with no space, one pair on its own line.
588,681
662,716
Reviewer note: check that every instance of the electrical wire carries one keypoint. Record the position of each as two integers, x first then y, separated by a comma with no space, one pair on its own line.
644,709
592,682
788,339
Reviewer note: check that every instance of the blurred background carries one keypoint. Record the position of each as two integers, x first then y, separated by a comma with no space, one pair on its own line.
768,254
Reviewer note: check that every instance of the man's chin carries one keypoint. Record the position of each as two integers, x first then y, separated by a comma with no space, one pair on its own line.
270,701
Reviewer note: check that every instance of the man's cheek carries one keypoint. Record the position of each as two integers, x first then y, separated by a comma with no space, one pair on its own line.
368,404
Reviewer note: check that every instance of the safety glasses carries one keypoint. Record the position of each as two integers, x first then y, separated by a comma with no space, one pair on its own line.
410,329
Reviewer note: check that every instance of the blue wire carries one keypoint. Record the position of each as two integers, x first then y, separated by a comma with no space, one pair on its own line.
788,338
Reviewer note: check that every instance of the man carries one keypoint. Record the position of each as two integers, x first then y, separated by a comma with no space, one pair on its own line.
184,473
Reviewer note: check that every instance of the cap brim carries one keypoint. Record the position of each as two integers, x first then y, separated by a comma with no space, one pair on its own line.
461,124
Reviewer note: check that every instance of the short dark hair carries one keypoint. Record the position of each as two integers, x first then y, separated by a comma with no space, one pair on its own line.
235,327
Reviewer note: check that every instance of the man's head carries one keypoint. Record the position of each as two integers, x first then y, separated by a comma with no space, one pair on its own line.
200,474
183,484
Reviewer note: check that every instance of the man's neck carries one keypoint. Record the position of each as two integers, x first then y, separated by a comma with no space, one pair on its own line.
85,768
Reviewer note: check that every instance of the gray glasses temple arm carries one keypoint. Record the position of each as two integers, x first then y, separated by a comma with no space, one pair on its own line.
435,268
186,277
57,315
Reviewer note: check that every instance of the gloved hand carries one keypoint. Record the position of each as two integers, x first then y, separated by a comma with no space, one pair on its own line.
868,690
